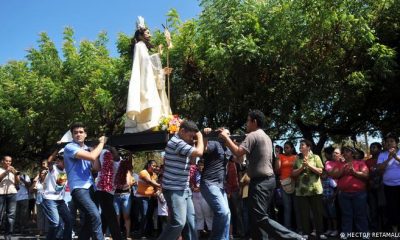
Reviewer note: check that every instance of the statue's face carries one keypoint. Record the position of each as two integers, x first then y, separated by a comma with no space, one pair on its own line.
147,34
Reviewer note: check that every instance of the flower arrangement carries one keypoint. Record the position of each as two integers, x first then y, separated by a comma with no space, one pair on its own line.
170,123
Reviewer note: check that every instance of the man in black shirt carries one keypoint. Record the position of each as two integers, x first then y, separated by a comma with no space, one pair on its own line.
212,188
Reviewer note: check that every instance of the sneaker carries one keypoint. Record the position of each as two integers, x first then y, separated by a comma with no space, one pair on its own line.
334,233
313,233
328,232
323,236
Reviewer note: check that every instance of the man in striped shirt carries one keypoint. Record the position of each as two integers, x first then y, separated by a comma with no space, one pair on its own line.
178,154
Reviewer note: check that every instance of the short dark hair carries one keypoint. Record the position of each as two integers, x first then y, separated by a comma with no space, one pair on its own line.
329,150
77,125
376,144
60,157
258,116
306,142
189,125
279,147
360,154
393,136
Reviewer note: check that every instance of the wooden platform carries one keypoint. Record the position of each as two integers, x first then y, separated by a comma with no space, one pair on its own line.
143,141
147,141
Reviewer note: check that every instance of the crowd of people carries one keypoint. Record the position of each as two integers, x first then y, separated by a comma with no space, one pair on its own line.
206,188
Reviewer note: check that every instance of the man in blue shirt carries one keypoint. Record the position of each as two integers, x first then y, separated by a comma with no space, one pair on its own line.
78,161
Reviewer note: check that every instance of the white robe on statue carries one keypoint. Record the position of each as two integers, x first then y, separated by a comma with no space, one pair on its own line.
147,99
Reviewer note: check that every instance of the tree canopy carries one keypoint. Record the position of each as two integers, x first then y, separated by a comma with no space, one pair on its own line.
315,68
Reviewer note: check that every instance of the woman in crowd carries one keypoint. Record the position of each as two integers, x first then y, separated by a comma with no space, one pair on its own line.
202,210
307,170
147,186
107,165
375,189
389,164
37,188
234,199
329,196
284,167
244,182
352,180
122,196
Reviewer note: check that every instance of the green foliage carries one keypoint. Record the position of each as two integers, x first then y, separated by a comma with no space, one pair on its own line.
311,66
44,95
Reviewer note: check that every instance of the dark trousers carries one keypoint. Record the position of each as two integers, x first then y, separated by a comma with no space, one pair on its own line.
108,215
8,205
307,205
260,195
21,215
236,206
376,214
392,194
85,202
354,210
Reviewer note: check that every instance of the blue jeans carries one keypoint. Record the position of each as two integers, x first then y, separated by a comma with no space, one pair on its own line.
85,202
146,208
217,200
260,195
8,204
53,210
354,207
122,202
287,199
182,213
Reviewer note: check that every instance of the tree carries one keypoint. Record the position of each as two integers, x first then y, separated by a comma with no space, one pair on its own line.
311,66
318,69
42,96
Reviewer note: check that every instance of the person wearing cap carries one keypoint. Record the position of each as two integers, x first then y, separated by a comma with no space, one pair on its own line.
352,185
389,164
175,182
53,204
78,165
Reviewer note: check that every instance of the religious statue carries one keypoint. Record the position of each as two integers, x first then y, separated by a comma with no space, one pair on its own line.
147,99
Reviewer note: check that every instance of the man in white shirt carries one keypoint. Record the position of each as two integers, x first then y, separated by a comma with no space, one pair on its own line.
9,179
